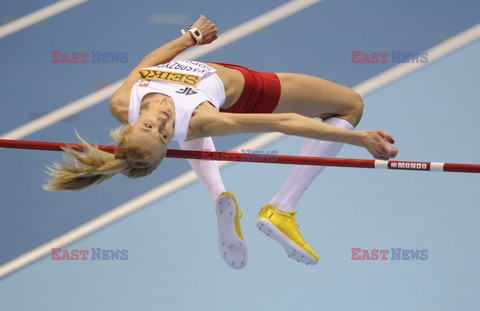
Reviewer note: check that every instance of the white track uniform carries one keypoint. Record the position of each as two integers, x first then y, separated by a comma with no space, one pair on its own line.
188,83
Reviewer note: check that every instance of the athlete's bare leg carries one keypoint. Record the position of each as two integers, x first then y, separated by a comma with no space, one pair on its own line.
315,97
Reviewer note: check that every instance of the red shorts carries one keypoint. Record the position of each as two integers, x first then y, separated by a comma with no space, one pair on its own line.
260,94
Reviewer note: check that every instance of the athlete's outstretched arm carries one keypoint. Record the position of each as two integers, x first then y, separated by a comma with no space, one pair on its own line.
169,50
121,98
377,142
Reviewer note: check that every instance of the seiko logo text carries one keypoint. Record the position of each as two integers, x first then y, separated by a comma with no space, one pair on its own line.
180,78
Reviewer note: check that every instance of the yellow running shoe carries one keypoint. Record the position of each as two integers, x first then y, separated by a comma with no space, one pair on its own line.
230,239
284,229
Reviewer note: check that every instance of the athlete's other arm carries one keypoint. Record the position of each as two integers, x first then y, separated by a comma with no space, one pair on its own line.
221,124
121,98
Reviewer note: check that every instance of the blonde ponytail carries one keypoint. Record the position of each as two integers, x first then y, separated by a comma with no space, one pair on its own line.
92,166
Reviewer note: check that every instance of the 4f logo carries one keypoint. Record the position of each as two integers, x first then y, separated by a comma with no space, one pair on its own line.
187,91
144,83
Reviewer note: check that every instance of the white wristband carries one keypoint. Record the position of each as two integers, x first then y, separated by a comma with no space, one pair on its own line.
196,34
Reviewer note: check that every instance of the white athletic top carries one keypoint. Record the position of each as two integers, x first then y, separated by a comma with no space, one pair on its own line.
188,83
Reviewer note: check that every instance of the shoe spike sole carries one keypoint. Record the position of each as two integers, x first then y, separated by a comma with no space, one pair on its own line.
293,251
232,248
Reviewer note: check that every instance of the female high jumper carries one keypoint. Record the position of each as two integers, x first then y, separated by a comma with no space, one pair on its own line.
191,101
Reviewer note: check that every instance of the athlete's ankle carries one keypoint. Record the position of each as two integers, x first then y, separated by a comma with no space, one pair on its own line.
283,207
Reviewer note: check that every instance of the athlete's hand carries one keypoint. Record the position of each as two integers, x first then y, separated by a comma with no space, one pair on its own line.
377,142
207,28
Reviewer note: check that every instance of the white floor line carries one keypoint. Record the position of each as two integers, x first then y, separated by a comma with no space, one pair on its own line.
228,37
63,112
38,16
438,51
